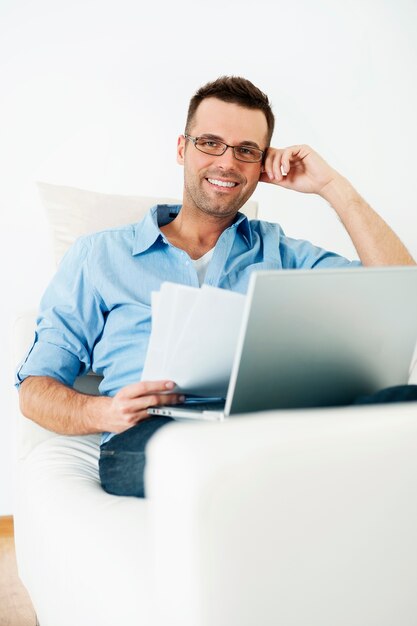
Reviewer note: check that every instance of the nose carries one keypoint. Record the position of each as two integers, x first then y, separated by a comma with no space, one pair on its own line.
227,159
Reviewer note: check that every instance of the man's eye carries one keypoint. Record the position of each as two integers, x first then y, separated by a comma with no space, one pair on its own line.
245,150
208,143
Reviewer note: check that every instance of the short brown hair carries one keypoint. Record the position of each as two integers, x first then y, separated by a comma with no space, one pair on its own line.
237,90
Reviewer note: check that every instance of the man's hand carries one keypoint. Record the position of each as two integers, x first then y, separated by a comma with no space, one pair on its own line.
130,404
68,412
301,169
298,168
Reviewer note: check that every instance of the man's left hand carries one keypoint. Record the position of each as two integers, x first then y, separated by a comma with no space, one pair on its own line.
298,168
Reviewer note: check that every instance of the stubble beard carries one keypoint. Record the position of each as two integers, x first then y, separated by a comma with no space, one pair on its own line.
215,207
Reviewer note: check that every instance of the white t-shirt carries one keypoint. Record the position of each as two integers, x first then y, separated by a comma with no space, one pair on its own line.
202,264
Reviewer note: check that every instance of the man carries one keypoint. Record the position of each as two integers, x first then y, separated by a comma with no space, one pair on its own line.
96,312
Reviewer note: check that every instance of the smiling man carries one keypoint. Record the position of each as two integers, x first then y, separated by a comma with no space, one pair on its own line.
234,174
95,314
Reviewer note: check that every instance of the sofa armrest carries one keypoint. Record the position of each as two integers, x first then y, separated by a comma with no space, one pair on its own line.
302,517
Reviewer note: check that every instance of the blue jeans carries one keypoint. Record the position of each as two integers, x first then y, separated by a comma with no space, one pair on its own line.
401,393
122,458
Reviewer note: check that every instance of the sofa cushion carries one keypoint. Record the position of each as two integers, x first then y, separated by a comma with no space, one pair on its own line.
82,553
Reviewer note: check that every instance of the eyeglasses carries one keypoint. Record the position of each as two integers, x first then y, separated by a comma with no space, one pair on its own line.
248,154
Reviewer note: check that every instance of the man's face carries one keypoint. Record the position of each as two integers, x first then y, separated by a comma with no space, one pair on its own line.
234,125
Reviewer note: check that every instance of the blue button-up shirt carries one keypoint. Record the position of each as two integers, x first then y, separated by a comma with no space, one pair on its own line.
96,312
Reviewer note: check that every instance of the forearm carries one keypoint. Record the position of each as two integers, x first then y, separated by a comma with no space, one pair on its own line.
61,409
374,240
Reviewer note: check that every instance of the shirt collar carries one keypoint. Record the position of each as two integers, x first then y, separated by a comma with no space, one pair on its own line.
243,225
147,230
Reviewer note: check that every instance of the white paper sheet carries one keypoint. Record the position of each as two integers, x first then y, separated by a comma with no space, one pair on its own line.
193,339
169,306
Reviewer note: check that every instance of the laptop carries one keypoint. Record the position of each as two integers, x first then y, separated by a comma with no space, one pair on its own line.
315,338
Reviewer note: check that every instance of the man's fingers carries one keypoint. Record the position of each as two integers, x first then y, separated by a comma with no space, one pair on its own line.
288,155
291,154
144,388
133,407
154,400
277,164
272,156
278,161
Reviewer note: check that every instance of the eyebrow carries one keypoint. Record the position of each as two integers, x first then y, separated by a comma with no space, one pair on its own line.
242,143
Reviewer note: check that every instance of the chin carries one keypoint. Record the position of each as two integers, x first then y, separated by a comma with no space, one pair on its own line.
219,211
221,208
215,206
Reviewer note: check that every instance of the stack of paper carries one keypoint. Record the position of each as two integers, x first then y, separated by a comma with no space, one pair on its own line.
194,336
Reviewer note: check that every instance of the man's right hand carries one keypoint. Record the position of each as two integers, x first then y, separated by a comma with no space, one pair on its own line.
130,404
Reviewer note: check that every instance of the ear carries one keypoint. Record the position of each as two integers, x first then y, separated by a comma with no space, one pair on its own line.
180,149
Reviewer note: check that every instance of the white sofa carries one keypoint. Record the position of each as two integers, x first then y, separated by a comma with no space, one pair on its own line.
284,518
288,518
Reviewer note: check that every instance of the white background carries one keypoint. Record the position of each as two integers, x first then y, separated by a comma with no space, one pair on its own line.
94,94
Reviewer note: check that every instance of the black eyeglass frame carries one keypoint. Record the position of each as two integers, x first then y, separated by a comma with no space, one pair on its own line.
226,145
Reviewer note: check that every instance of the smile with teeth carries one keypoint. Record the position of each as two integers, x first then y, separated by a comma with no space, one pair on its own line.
221,183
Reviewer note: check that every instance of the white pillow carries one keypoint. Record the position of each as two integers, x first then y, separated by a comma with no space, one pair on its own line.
73,212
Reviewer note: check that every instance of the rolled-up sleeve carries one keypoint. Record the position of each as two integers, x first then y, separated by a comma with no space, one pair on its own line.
70,320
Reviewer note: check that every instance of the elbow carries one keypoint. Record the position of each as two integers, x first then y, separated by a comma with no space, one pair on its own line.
25,398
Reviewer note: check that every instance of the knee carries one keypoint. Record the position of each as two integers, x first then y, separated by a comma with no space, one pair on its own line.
122,472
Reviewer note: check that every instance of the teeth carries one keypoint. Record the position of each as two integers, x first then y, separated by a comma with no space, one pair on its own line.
221,183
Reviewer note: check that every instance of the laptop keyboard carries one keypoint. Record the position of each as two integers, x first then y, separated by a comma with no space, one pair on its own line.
201,406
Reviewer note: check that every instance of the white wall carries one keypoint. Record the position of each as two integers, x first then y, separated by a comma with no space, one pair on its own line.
94,94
